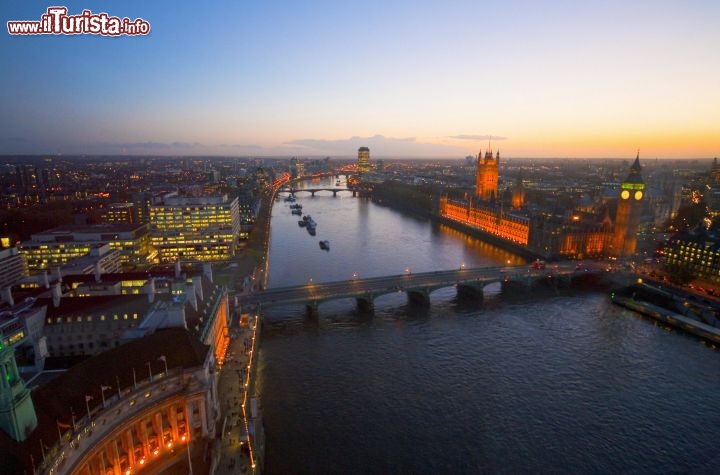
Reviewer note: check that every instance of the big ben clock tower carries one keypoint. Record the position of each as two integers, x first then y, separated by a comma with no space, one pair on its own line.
629,208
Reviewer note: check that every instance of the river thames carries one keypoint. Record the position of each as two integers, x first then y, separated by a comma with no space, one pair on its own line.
542,382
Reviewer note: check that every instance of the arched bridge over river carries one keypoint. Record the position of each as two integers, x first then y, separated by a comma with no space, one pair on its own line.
312,191
419,286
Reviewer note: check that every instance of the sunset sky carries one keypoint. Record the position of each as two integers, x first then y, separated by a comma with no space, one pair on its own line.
406,78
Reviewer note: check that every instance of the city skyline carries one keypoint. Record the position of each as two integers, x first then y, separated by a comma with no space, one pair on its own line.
406,80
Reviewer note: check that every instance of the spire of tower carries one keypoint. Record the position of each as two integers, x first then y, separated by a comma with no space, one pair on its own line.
636,165
634,175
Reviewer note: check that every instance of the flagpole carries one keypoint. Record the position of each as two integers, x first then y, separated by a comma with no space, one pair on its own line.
102,394
87,405
73,418
57,422
164,360
134,380
189,459
149,369
117,379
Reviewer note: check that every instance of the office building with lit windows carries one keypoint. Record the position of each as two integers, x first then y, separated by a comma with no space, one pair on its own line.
120,213
195,228
363,162
55,247
696,253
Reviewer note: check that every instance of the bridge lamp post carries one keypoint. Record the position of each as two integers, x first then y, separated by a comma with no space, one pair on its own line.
354,275
462,266
407,271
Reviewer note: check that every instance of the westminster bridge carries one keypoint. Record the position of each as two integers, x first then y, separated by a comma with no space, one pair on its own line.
419,286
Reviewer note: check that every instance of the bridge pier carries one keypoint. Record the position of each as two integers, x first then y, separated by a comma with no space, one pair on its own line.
509,286
311,310
334,193
312,193
365,304
472,292
419,297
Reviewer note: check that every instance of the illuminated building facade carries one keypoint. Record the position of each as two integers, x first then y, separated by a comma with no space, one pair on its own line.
490,219
120,213
57,246
195,228
486,178
544,233
697,253
100,259
122,410
86,322
363,163
629,209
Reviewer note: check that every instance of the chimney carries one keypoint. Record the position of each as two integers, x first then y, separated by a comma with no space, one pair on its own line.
7,296
56,294
207,271
150,289
44,281
197,284
191,297
98,271
178,269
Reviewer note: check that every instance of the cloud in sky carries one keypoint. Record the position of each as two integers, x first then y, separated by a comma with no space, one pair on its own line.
380,146
476,137
24,146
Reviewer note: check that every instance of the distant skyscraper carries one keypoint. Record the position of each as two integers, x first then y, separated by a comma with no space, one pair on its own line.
486,179
628,213
363,160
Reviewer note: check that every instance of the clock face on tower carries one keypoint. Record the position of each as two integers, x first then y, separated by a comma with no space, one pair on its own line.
638,195
625,194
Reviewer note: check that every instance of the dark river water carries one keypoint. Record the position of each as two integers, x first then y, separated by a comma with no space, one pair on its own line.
530,382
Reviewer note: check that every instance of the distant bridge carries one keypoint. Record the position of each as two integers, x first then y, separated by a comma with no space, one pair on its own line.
312,191
418,287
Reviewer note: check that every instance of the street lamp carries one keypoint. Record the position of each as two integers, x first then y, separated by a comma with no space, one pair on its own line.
354,276
407,270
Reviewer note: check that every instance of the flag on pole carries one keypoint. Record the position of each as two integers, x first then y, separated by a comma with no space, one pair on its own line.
162,358
105,388
63,425
88,398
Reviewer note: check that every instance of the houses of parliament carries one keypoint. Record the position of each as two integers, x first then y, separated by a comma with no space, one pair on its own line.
507,219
